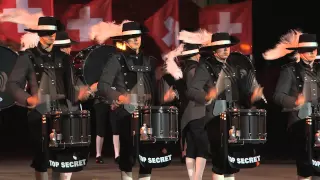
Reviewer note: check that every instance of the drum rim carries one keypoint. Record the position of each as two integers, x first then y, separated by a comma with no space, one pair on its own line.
247,110
159,108
69,112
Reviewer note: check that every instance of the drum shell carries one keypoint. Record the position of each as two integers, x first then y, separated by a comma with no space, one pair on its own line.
163,121
251,123
316,122
75,127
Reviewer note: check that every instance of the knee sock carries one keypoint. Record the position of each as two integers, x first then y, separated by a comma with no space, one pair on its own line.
126,175
229,177
217,176
99,144
304,178
190,163
144,176
200,165
116,145
65,176
41,175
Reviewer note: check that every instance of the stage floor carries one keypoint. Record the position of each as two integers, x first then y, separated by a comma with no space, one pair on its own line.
20,170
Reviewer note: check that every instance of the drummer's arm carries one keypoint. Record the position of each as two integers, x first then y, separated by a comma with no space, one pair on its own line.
281,95
104,86
195,91
22,72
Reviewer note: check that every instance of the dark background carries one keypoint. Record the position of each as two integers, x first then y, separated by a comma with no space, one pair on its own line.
271,19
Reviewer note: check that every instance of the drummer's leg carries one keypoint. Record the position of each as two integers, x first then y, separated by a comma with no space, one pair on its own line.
61,176
144,173
126,147
101,113
39,156
116,139
297,135
190,154
201,143
219,171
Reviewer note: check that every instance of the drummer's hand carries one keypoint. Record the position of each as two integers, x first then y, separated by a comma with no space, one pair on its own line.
84,93
94,87
169,96
66,50
257,94
33,101
124,99
300,100
114,105
212,94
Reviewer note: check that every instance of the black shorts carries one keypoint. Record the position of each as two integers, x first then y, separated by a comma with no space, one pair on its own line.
297,135
220,164
102,116
197,139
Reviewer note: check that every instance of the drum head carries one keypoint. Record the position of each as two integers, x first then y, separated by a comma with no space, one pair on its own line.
91,62
243,68
8,59
239,61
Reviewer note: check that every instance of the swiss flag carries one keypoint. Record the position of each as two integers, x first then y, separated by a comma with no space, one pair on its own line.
79,18
234,18
164,26
12,31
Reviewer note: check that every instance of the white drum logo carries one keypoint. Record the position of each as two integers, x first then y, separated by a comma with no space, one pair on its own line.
248,160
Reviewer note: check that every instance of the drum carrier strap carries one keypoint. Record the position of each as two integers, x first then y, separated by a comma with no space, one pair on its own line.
215,73
300,82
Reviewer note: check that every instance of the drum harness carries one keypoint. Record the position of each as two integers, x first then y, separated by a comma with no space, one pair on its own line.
140,70
298,72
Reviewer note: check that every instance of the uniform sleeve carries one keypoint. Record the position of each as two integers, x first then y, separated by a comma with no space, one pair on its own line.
22,73
281,95
110,71
195,90
169,79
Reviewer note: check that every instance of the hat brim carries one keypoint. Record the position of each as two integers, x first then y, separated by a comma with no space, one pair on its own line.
37,30
301,48
68,44
191,52
128,36
144,30
234,41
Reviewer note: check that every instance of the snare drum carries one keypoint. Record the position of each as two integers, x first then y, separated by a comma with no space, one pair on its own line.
247,126
67,128
161,123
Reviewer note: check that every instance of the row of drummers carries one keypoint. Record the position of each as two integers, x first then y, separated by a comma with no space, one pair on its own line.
218,95
220,98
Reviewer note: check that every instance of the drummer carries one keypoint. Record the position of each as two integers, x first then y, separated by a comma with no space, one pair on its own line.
27,69
63,42
123,73
203,91
293,90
